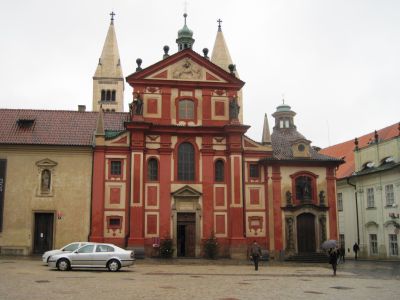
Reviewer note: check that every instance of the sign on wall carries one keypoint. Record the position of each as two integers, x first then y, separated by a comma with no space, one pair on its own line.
3,164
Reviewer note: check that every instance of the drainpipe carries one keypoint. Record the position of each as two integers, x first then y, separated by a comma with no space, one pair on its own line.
358,226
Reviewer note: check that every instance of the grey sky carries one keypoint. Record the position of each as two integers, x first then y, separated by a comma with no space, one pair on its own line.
336,62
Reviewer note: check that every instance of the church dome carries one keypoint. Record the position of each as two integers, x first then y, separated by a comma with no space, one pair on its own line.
283,108
185,32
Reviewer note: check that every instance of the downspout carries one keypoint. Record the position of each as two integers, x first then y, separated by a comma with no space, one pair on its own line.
358,226
244,194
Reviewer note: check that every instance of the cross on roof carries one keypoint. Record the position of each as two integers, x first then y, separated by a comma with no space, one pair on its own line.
112,14
219,24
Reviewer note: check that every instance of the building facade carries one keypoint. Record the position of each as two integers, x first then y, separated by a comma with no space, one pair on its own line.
368,193
178,166
183,169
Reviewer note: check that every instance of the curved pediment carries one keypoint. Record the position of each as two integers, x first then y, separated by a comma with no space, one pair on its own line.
371,223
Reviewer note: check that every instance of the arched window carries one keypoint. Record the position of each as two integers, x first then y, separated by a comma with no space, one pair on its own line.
45,181
113,95
103,95
304,188
152,169
186,110
219,170
186,162
108,96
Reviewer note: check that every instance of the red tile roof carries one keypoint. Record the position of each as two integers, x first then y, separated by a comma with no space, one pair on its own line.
346,150
54,127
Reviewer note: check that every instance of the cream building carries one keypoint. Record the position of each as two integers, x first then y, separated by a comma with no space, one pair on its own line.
369,193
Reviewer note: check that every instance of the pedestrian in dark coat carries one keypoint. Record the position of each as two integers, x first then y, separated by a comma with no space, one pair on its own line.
356,248
342,253
333,257
255,252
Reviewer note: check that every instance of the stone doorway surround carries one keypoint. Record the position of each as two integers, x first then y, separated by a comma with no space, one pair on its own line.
186,200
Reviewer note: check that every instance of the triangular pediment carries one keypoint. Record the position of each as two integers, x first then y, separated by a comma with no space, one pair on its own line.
250,145
46,163
187,67
186,192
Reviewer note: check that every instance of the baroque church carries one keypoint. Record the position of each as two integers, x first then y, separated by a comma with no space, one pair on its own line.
177,166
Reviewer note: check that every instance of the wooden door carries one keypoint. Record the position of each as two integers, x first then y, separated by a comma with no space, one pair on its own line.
186,235
306,233
43,232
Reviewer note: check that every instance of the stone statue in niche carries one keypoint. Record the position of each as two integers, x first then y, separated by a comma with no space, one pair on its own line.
288,198
136,107
188,70
321,198
45,181
289,236
234,109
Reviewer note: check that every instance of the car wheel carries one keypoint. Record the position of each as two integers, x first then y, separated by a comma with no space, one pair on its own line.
113,265
63,264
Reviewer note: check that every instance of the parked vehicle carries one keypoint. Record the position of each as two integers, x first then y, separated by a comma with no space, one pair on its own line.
93,255
68,248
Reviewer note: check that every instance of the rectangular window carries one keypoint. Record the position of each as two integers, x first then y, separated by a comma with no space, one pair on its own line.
393,246
340,202
115,167
341,241
373,244
114,222
370,198
389,194
254,171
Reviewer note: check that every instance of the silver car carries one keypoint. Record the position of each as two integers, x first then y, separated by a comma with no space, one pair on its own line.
68,248
93,255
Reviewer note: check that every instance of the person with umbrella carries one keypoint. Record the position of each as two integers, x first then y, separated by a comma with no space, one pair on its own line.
333,257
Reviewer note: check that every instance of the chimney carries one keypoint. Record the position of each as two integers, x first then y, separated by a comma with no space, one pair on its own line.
81,108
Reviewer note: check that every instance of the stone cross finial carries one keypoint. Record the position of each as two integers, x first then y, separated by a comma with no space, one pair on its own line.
112,14
219,24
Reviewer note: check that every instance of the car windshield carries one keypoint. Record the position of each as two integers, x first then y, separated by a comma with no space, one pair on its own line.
86,249
71,247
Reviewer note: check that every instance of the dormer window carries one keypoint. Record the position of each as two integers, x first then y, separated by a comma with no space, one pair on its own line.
387,160
368,165
25,123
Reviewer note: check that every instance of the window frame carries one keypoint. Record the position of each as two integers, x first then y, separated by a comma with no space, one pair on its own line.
373,243
110,172
393,245
184,174
254,167
370,197
339,198
389,195
219,170
151,174
179,118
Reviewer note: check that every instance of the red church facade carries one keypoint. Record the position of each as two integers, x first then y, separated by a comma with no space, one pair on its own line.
182,168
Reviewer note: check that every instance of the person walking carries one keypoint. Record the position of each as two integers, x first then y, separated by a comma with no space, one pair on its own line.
342,252
333,257
356,248
255,252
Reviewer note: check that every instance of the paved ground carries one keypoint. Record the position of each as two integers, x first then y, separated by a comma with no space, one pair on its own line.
199,279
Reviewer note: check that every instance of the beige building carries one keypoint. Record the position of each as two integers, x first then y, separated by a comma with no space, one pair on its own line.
368,190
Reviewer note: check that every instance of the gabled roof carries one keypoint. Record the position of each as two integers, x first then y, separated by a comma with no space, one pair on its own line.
217,77
345,150
54,127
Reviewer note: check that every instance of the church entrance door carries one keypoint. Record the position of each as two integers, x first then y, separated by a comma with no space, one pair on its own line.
43,232
306,233
186,234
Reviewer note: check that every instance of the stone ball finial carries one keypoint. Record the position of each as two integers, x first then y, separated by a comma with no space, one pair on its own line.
232,68
166,49
139,62
205,52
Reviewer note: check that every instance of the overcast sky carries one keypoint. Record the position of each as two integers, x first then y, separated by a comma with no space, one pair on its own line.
337,62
